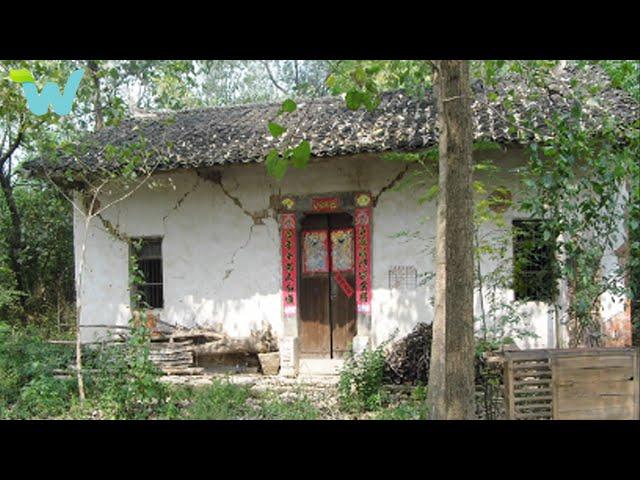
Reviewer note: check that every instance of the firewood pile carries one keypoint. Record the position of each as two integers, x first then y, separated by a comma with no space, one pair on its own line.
175,351
408,359
174,357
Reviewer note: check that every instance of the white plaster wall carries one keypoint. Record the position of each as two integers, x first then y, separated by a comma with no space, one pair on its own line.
221,269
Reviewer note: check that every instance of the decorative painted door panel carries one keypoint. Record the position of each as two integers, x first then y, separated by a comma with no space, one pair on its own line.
327,296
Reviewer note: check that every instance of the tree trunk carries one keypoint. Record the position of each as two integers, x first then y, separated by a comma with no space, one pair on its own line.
451,379
97,105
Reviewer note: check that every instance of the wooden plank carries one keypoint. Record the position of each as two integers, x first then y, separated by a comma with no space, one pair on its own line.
534,416
542,365
591,413
594,384
636,376
534,406
540,398
577,376
593,362
554,387
529,374
534,381
533,391
509,390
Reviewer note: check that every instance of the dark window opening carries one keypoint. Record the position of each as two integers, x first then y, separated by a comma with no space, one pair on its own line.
149,263
533,277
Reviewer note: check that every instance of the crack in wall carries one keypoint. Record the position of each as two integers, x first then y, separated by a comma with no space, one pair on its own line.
216,178
113,229
181,200
232,262
390,185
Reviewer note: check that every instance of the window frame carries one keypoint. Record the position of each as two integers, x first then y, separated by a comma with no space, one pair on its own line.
160,257
545,287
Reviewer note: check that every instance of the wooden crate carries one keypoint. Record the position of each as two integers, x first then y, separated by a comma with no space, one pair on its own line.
573,384
528,385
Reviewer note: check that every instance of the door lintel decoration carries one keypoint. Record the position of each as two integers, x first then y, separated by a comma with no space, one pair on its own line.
291,208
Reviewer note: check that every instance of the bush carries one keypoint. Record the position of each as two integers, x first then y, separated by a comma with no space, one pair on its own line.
415,408
126,381
27,364
44,397
360,384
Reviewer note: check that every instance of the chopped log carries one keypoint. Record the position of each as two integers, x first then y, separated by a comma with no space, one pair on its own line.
230,345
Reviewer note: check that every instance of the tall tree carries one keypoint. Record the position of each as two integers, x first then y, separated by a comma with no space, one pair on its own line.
451,378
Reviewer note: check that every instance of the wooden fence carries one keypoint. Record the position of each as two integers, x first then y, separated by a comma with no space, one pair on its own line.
572,384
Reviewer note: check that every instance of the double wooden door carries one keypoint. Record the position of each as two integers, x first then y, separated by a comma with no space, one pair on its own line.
327,301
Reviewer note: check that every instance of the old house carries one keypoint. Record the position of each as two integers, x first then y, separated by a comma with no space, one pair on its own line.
336,254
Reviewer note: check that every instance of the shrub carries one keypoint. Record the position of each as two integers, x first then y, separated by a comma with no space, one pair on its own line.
415,408
44,397
360,384
27,364
126,381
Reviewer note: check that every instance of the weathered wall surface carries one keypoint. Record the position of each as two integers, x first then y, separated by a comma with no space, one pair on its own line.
221,253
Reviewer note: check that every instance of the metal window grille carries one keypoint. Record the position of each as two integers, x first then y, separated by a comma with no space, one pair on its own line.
403,277
533,277
150,265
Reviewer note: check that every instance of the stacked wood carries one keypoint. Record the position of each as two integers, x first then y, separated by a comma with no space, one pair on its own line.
408,358
175,349
174,358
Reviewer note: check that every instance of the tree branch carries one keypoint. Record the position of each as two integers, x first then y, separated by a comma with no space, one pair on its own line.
273,80
12,148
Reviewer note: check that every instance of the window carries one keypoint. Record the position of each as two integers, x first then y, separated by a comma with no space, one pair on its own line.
533,277
149,258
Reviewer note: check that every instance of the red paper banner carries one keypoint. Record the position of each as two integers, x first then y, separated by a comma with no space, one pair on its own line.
344,284
363,259
289,263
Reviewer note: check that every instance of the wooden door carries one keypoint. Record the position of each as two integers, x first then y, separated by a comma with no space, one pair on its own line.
326,295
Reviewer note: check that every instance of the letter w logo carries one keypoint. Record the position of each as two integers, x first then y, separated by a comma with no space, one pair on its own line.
39,103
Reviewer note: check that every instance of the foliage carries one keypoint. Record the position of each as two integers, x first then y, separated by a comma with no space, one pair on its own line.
624,74
415,408
360,384
48,253
126,382
231,82
576,183
27,364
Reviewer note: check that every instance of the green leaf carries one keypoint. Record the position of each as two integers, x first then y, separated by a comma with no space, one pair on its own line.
276,129
301,154
276,166
288,106
353,99
21,75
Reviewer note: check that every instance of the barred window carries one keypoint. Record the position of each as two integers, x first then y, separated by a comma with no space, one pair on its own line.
533,277
149,258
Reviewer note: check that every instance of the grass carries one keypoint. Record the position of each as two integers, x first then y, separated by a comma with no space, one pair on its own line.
224,400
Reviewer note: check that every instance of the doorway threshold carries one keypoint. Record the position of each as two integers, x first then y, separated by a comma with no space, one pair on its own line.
320,366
